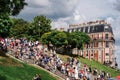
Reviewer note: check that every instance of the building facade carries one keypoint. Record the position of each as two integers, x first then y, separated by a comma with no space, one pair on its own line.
101,46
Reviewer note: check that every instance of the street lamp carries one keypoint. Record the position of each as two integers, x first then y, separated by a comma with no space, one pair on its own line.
39,28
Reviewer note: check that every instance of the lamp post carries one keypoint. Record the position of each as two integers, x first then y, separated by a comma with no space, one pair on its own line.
39,29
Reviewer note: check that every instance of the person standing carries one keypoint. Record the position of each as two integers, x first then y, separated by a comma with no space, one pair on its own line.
37,77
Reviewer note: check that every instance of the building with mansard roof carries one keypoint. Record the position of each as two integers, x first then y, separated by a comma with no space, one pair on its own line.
101,46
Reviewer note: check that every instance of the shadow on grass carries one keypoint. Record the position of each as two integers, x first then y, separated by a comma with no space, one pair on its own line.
3,53
3,77
71,55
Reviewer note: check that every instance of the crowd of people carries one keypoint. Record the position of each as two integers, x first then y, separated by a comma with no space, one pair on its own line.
36,53
3,46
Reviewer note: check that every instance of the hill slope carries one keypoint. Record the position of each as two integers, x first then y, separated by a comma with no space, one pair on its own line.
11,69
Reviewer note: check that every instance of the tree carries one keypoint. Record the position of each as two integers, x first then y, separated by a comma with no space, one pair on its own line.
19,28
40,25
64,41
59,38
56,38
45,39
78,39
11,7
5,24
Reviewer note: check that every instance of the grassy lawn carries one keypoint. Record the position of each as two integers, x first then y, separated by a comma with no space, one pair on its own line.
94,64
11,69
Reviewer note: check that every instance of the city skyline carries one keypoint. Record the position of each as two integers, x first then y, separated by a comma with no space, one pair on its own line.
65,12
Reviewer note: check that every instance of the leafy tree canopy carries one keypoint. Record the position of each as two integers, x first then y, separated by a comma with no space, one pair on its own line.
5,24
56,38
40,25
19,28
77,39
11,7
59,39
45,38
62,39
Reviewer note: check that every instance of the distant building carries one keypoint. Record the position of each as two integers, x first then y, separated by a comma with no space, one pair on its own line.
101,46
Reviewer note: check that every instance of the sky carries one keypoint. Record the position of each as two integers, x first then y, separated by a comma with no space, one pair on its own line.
65,12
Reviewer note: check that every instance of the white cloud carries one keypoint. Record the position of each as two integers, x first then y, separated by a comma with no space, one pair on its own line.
60,23
38,3
117,55
115,23
76,15
110,20
51,8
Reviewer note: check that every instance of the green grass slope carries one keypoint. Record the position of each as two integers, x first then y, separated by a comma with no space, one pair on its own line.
11,69
99,66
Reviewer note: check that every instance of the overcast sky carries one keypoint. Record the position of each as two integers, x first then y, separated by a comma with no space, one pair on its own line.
65,12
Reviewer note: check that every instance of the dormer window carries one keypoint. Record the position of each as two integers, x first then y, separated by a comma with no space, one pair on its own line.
79,29
106,36
106,28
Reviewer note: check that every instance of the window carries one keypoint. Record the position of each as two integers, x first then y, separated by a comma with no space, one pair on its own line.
106,36
74,30
95,44
107,54
92,36
93,28
107,44
106,28
79,29
91,54
87,45
88,29
91,45
82,29
87,53
70,30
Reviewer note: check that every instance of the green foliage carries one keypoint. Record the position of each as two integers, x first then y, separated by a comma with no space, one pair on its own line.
59,39
5,24
39,26
19,28
65,39
45,38
11,7
32,31
78,39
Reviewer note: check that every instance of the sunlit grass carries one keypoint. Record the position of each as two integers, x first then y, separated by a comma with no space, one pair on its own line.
11,69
